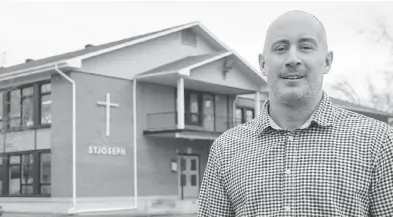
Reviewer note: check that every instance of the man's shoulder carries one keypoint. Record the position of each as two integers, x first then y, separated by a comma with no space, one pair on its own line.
239,134
354,120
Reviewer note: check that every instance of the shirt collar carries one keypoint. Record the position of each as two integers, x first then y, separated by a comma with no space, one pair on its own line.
324,116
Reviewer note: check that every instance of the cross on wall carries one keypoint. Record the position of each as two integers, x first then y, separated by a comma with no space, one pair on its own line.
107,103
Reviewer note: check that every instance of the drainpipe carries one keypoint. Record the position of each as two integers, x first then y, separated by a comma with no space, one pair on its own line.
73,210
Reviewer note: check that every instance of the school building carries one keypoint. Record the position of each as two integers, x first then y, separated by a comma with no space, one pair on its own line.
125,125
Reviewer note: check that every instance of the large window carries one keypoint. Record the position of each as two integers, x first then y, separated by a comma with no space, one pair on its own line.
243,115
45,101
193,108
25,106
27,173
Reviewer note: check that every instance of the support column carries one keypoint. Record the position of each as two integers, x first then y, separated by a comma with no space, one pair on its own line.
257,103
180,103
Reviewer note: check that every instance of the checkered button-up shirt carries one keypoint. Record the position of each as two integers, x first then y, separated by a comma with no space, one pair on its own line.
340,164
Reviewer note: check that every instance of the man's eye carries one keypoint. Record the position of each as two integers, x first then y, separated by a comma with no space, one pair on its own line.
280,48
306,47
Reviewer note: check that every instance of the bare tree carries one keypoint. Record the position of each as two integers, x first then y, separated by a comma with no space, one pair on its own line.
380,96
344,87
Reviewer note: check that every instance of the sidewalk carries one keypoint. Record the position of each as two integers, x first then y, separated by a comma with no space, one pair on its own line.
100,215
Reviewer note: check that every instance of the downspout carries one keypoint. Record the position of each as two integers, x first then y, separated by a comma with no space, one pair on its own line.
73,210
73,135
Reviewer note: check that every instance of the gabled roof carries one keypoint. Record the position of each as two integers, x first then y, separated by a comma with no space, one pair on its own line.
182,63
77,53
73,59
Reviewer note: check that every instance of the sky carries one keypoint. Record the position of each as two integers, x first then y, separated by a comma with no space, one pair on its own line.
38,29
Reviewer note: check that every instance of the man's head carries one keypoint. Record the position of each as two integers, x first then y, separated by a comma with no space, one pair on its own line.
295,58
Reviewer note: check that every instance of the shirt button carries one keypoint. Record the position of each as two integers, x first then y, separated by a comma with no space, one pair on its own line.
290,138
287,208
287,171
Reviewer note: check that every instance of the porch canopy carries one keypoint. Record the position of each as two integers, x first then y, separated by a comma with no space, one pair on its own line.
220,73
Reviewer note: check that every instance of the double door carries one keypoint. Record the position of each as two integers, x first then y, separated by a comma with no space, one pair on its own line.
188,176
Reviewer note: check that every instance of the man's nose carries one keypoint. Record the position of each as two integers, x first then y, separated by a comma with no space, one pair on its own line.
293,60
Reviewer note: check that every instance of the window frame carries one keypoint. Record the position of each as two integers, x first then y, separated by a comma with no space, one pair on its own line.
187,109
5,172
40,95
36,96
244,110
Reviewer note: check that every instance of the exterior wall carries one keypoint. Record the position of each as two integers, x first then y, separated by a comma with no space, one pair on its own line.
154,153
103,175
213,73
61,137
127,62
158,104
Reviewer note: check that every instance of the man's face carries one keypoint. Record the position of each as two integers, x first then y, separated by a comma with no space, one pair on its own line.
295,58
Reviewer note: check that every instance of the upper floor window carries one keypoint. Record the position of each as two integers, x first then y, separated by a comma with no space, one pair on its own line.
243,115
25,106
193,108
46,103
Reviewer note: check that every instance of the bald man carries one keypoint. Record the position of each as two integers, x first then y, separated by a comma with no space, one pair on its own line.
302,156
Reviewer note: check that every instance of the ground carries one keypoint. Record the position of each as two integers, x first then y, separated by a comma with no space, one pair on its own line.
28,215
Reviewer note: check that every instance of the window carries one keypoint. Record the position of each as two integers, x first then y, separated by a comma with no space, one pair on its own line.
27,173
26,106
243,115
239,116
45,165
15,108
46,104
193,108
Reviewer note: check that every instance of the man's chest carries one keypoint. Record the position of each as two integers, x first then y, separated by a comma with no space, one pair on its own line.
292,171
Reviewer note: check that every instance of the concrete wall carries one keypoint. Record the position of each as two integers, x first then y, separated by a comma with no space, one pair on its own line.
61,138
103,175
127,62
155,154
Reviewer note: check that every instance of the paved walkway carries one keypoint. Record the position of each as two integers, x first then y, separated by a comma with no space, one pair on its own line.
98,215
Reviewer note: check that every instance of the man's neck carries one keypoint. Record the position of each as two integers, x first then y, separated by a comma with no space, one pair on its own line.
293,117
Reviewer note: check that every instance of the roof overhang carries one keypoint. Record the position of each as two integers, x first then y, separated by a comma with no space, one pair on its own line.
46,69
170,77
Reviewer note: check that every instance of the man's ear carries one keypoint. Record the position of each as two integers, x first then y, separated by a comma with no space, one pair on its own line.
328,61
262,64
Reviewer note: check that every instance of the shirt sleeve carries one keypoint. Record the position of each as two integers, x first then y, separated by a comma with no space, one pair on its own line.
381,195
213,198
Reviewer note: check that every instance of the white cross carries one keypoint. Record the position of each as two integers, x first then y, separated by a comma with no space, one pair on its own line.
108,106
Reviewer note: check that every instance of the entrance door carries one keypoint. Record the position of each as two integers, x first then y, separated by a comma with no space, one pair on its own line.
189,176
208,112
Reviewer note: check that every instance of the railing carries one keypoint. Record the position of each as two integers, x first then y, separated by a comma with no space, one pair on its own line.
196,121
161,121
